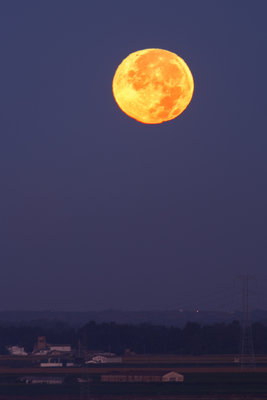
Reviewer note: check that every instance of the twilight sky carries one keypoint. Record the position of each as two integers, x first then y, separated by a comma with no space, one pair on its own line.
99,211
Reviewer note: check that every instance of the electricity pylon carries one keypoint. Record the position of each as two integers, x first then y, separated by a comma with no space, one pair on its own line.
247,355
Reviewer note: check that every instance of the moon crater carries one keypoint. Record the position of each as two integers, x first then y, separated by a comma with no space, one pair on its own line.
153,85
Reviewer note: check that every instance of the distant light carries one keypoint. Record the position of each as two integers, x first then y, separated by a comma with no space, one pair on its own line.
197,310
181,310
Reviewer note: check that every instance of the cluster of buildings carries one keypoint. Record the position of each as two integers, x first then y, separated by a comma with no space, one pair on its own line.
56,353
42,348
62,356
133,377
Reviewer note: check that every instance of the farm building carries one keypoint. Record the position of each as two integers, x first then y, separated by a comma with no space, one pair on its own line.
136,376
41,347
40,380
54,362
62,348
172,377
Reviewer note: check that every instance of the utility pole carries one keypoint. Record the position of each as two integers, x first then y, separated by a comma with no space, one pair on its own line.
247,355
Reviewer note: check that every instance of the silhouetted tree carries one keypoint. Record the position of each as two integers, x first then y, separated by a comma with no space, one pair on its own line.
219,338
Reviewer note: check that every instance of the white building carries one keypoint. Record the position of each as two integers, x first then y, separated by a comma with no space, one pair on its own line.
51,365
172,377
62,348
101,359
17,351
56,363
53,349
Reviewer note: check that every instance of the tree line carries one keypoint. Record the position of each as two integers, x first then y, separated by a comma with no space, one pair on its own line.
151,339
193,338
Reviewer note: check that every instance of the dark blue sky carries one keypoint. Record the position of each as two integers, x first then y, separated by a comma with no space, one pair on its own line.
99,211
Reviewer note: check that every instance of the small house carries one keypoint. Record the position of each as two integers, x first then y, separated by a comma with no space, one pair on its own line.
172,377
17,351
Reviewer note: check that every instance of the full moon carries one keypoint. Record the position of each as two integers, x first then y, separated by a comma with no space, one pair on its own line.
153,85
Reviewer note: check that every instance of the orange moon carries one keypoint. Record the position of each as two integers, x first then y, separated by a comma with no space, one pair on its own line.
153,85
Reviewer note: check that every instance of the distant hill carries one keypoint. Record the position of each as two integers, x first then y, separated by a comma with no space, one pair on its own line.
167,318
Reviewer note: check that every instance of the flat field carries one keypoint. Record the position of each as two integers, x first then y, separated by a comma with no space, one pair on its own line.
203,376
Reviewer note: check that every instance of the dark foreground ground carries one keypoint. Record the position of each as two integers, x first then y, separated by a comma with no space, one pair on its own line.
205,378
135,397
131,396
195,384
